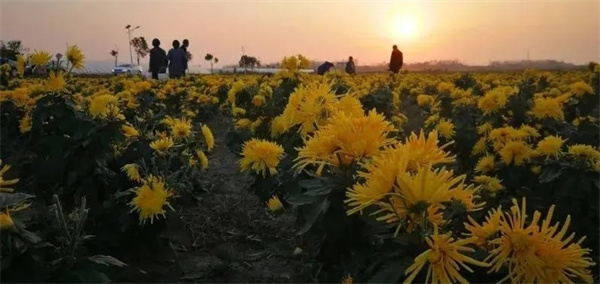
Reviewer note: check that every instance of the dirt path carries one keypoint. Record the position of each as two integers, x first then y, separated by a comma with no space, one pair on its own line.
232,236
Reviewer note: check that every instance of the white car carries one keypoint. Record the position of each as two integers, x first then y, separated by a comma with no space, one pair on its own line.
128,69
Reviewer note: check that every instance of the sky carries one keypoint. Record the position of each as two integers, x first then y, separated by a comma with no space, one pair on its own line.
474,32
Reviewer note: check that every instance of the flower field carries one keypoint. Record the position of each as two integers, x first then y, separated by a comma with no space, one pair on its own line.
295,177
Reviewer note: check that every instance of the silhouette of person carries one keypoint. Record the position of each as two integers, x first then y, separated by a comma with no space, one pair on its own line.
396,60
325,67
184,46
158,59
177,60
350,68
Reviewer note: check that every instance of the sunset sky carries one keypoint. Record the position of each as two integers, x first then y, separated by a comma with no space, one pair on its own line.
474,32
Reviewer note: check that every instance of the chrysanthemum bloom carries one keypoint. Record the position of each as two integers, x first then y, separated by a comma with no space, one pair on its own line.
535,254
380,177
181,128
432,119
55,83
486,164
500,136
4,183
444,259
21,65
348,280
495,100
202,158
547,108
310,106
208,137
414,193
425,100
6,222
129,131
260,156
344,140
243,123
150,199
515,152
490,184
481,234
258,100
581,88
445,128
132,171
274,204
480,146
425,150
75,57
484,129
40,58
104,105
584,152
25,123
162,145
550,146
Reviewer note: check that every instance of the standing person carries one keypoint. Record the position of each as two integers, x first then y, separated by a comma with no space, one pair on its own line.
177,61
350,68
158,59
325,67
184,46
396,60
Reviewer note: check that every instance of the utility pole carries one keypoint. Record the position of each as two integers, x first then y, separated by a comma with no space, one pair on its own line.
527,54
244,61
129,30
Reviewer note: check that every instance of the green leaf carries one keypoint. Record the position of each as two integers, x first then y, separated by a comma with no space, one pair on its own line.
311,214
391,273
86,272
549,174
13,199
301,199
27,236
106,260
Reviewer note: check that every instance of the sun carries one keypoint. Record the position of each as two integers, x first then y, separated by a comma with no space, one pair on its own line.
405,28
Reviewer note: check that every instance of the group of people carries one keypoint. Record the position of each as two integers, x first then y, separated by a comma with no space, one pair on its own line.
396,62
176,60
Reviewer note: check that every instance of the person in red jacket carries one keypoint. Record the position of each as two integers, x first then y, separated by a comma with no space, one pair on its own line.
396,60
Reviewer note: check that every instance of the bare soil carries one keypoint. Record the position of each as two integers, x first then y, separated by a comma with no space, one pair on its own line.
228,235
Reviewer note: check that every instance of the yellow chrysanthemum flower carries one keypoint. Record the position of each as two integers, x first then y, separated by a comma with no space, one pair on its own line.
490,184
550,146
538,254
208,137
150,199
444,257
486,164
132,171
547,108
481,234
445,128
40,58
129,131
260,156
162,145
75,57
203,159
274,204
515,152
181,128
5,183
